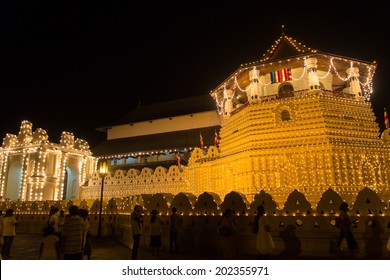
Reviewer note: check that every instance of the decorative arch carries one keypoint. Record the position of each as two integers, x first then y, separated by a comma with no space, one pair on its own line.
195,155
329,203
207,203
297,203
184,202
212,152
71,183
264,199
285,88
235,201
285,112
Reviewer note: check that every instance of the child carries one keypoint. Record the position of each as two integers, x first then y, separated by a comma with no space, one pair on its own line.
50,245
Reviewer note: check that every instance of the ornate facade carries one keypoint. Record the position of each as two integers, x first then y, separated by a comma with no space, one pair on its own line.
33,169
298,119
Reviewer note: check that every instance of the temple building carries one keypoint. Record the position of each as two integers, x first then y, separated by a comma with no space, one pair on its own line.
297,119
34,169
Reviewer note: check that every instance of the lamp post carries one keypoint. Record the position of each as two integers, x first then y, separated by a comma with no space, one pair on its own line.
102,172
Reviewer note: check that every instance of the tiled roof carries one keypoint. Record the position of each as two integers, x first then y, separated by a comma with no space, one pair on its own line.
156,142
167,109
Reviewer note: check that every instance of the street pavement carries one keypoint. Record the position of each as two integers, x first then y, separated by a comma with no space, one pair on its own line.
26,247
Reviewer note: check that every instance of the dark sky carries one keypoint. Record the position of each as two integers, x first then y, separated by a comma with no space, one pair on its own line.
71,66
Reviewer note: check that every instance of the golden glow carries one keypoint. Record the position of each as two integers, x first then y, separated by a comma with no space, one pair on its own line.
103,169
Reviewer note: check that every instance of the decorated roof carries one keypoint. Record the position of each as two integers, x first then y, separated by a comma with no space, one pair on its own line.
285,47
288,52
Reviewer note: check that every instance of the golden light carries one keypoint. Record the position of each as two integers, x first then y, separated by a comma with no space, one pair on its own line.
103,169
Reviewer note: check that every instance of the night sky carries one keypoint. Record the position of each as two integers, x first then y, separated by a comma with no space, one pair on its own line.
70,66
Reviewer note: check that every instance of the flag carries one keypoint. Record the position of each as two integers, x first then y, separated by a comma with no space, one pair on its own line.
386,119
216,140
201,140
178,159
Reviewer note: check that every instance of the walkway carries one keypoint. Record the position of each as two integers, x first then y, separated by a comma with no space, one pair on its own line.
26,247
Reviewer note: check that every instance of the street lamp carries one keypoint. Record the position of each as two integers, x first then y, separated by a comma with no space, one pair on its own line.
103,171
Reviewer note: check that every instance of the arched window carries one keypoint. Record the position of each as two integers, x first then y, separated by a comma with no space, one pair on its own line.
285,115
285,88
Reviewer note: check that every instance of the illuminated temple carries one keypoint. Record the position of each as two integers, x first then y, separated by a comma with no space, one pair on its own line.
297,119
293,131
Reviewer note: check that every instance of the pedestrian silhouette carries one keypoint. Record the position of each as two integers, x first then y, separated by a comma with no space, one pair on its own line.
175,222
292,244
264,241
227,230
345,226
137,225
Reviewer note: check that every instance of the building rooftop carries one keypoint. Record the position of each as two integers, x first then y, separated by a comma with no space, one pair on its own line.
156,143
178,107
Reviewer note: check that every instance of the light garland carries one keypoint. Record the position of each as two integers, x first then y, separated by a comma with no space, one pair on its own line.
221,101
38,160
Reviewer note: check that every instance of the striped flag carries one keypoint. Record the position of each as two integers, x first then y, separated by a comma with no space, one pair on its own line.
386,119
216,140
201,141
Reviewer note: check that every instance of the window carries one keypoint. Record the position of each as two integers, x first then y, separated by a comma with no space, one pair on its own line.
285,88
285,115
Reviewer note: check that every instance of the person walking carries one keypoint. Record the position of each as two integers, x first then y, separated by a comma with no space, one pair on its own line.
9,232
137,224
87,250
227,230
345,225
54,219
264,241
174,224
73,234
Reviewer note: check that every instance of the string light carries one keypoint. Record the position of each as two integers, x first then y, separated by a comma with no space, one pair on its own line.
38,160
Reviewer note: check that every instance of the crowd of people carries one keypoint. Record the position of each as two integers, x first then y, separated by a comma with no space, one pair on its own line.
68,236
63,237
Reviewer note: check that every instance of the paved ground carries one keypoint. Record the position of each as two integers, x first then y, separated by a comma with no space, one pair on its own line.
26,247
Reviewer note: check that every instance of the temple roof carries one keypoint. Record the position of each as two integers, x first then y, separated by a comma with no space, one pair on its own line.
285,47
166,109
180,140
288,52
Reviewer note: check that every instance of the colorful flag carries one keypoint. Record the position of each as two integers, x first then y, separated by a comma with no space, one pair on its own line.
178,159
386,119
201,140
216,140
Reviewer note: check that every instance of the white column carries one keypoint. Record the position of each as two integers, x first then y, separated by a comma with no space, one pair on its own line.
354,84
312,77
253,91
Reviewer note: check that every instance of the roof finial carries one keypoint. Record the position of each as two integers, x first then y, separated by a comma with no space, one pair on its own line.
282,29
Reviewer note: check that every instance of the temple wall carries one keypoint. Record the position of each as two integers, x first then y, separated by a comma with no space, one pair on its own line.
299,229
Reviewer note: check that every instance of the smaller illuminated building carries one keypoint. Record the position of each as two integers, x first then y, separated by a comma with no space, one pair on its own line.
34,169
